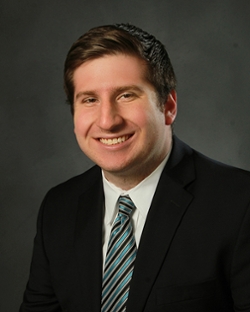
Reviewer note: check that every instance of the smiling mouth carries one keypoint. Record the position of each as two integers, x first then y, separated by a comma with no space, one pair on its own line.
114,141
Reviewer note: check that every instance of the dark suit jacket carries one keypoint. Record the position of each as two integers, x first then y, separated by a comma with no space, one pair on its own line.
194,253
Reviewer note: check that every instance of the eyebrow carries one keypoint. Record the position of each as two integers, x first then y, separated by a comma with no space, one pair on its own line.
114,91
89,93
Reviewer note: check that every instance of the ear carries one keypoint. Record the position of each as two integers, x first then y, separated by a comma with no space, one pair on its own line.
170,108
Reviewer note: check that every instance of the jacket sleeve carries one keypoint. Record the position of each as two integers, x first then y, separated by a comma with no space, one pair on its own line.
240,270
39,294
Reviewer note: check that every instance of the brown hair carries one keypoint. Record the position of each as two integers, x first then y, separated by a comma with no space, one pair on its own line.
124,39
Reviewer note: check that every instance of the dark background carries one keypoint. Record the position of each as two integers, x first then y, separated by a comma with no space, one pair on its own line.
209,44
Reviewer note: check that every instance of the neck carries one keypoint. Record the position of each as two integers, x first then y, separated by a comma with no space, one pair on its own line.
127,181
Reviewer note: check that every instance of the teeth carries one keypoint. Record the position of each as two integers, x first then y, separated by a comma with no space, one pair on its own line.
114,141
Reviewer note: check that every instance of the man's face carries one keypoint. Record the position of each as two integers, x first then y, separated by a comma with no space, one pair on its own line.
117,121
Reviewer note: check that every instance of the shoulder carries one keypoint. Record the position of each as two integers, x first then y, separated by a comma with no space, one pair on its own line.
227,185
208,174
80,181
71,189
215,169
183,153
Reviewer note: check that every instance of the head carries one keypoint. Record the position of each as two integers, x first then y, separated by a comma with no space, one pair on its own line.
121,87
122,39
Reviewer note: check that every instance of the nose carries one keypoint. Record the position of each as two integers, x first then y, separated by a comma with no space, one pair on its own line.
109,118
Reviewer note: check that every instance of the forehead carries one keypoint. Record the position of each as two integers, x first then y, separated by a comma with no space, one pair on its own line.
109,70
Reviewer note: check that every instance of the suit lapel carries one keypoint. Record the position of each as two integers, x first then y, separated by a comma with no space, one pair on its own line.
88,245
169,204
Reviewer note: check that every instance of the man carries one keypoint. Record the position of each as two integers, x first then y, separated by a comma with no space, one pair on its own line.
155,226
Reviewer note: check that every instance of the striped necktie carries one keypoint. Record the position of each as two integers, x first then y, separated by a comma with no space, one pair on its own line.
120,259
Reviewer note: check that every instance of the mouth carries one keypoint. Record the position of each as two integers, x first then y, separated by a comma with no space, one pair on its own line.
115,141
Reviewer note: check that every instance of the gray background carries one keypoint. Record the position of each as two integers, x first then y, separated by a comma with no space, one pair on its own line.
209,44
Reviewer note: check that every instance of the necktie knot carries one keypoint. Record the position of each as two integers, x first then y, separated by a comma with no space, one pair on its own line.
126,206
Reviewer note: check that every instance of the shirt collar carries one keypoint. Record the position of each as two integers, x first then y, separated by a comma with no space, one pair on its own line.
142,194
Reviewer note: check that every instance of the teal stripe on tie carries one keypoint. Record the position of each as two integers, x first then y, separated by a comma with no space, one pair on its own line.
120,258
119,291
118,274
112,252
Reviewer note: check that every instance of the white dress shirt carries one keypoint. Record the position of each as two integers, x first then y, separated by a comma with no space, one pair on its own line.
141,195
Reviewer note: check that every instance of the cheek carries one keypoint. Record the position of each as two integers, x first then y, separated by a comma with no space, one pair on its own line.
147,122
79,130
140,117
81,123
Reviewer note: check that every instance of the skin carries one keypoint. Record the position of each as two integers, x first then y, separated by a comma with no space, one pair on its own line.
117,120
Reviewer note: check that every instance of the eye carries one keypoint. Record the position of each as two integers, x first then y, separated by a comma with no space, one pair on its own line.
127,96
89,101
